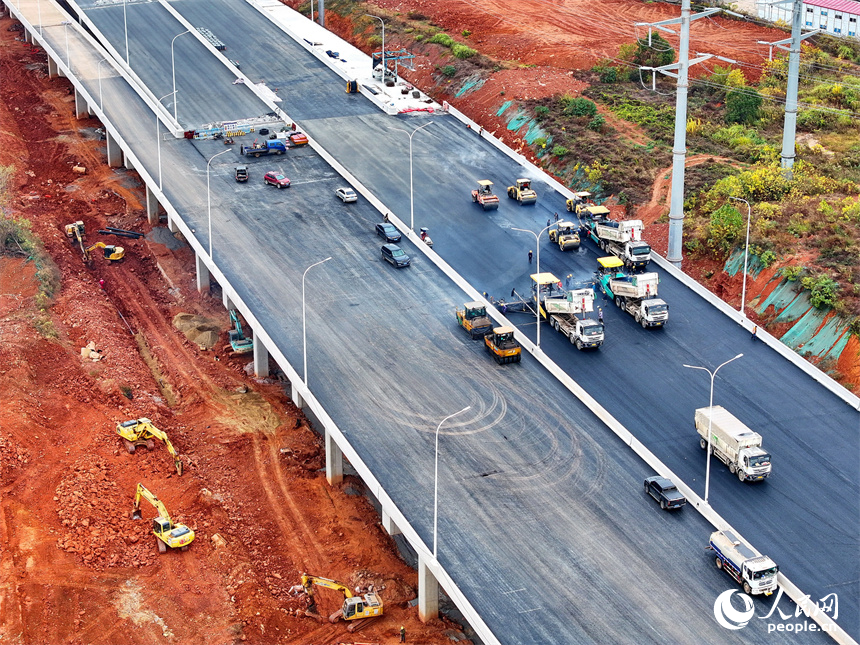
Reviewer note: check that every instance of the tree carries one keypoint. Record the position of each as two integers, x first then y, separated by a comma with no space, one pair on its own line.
658,53
742,105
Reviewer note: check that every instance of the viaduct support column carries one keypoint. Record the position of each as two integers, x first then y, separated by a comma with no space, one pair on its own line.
171,225
388,524
114,152
228,304
333,460
151,207
428,592
261,358
202,274
81,108
53,70
296,397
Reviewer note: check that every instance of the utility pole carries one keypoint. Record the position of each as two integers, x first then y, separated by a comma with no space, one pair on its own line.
679,148
789,130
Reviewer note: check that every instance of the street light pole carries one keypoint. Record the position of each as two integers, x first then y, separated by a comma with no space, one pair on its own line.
710,416
436,479
125,24
411,193
746,251
383,43
209,200
158,143
66,24
173,66
304,328
537,293
39,7
99,67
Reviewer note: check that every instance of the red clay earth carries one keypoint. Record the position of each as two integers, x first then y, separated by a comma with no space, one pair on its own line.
74,568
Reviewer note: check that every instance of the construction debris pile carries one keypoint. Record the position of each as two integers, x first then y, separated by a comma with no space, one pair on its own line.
96,519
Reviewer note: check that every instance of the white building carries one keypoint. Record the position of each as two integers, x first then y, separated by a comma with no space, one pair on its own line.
837,17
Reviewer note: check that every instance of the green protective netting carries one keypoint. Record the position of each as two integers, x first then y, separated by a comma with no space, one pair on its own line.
735,263
504,108
470,84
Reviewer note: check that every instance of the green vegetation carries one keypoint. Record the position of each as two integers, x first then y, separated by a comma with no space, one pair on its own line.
442,39
449,71
462,52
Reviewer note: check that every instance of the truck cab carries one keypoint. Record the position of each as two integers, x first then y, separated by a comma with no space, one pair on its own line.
653,312
589,333
637,254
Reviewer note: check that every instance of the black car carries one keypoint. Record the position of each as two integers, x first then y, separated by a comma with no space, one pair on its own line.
395,255
388,232
665,492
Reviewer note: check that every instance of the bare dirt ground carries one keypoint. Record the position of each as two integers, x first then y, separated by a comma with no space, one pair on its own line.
74,568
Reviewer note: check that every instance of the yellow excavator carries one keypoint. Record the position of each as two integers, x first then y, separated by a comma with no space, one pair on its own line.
111,252
141,432
175,536
356,610
75,231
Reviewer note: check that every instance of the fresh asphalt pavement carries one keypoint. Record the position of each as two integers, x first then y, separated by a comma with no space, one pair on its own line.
583,529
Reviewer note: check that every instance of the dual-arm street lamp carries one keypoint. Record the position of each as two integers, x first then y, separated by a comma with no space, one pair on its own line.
537,293
304,328
746,251
411,192
173,67
370,15
209,199
710,416
436,479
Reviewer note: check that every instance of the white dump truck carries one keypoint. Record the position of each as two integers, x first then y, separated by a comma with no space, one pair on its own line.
562,314
622,239
733,443
635,294
756,573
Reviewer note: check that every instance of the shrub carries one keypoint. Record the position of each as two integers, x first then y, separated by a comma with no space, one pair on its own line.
419,38
742,105
463,52
724,228
540,142
559,151
822,290
465,33
541,110
596,123
449,71
442,39
374,40
658,53
579,106
607,73
791,273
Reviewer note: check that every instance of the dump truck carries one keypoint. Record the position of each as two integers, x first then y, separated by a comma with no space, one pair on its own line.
484,195
560,308
756,573
621,239
473,318
585,333
634,294
733,443
500,342
566,235
522,192
268,147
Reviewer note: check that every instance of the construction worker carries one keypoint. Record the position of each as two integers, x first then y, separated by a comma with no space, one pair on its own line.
755,333
402,634
530,256
599,315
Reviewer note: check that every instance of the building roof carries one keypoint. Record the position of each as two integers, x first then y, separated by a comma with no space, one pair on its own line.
848,6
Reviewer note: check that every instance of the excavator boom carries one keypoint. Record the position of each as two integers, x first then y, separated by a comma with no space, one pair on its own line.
175,536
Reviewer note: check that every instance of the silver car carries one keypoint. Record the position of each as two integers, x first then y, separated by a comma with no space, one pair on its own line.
346,195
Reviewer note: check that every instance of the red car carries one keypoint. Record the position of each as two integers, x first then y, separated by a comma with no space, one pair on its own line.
276,179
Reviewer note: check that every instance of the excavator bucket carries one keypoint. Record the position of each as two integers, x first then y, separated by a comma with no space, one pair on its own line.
136,514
